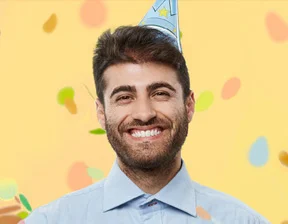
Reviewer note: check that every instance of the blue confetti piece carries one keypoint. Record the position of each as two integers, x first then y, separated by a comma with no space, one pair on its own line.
259,152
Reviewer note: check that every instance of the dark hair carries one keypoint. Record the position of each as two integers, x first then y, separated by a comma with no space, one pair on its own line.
137,44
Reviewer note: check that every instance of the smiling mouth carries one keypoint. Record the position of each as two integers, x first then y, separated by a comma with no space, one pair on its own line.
146,138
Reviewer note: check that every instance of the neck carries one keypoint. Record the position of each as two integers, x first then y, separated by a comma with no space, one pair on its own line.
154,180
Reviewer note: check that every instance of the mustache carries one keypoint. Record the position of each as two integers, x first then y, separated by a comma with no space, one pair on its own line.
139,123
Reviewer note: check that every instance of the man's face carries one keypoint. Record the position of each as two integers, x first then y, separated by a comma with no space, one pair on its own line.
159,109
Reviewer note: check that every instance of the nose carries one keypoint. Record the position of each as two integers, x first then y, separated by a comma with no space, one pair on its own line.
143,110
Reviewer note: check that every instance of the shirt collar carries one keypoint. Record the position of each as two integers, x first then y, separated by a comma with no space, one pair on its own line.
179,192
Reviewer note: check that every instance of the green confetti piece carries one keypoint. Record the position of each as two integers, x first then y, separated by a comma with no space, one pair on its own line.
181,34
95,173
8,189
204,101
25,202
23,215
65,93
98,131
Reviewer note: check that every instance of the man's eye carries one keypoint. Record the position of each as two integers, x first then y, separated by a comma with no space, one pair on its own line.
162,93
123,98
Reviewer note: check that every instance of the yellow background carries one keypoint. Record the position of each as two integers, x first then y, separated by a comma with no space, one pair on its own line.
40,139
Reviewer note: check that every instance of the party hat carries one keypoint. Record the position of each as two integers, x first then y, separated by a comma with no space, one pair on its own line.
163,16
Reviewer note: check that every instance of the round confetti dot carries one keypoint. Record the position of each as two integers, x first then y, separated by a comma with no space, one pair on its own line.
78,177
95,173
8,189
50,25
231,88
258,155
93,13
204,101
202,213
66,97
277,27
283,157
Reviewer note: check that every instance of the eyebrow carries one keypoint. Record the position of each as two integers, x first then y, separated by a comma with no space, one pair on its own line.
149,88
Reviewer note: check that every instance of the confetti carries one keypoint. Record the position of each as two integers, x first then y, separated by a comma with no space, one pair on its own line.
25,202
258,155
66,97
98,131
9,209
93,13
204,101
50,25
9,219
277,27
202,213
78,177
95,173
284,222
23,214
283,157
230,88
8,189
17,199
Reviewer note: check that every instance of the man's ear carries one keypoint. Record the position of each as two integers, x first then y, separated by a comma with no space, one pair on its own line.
100,113
190,106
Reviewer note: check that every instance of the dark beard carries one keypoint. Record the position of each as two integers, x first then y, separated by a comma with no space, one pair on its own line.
172,146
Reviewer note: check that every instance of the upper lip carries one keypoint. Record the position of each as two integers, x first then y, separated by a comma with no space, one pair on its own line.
145,127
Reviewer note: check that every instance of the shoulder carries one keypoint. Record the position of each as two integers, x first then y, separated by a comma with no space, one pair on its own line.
69,203
224,203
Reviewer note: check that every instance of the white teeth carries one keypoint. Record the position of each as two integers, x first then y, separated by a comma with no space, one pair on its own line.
147,133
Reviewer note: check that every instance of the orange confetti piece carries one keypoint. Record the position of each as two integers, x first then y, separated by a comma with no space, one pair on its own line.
50,25
9,219
277,27
230,88
283,157
202,213
9,209
70,105
78,177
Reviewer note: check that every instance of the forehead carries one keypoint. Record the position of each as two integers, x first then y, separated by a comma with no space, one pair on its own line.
139,75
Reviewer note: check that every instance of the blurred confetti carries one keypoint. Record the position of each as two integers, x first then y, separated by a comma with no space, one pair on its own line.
50,25
283,157
258,155
9,219
202,213
98,131
23,214
9,209
284,222
25,202
204,101
93,13
231,88
95,173
181,35
8,189
17,199
66,97
78,177
277,27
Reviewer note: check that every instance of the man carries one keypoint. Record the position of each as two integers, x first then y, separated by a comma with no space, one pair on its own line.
145,105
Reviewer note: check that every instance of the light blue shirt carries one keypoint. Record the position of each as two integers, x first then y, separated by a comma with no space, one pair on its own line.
117,200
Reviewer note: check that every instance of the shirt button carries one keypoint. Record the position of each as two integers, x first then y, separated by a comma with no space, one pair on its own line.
153,203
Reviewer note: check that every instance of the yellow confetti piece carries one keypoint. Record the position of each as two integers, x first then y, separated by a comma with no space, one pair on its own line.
50,25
